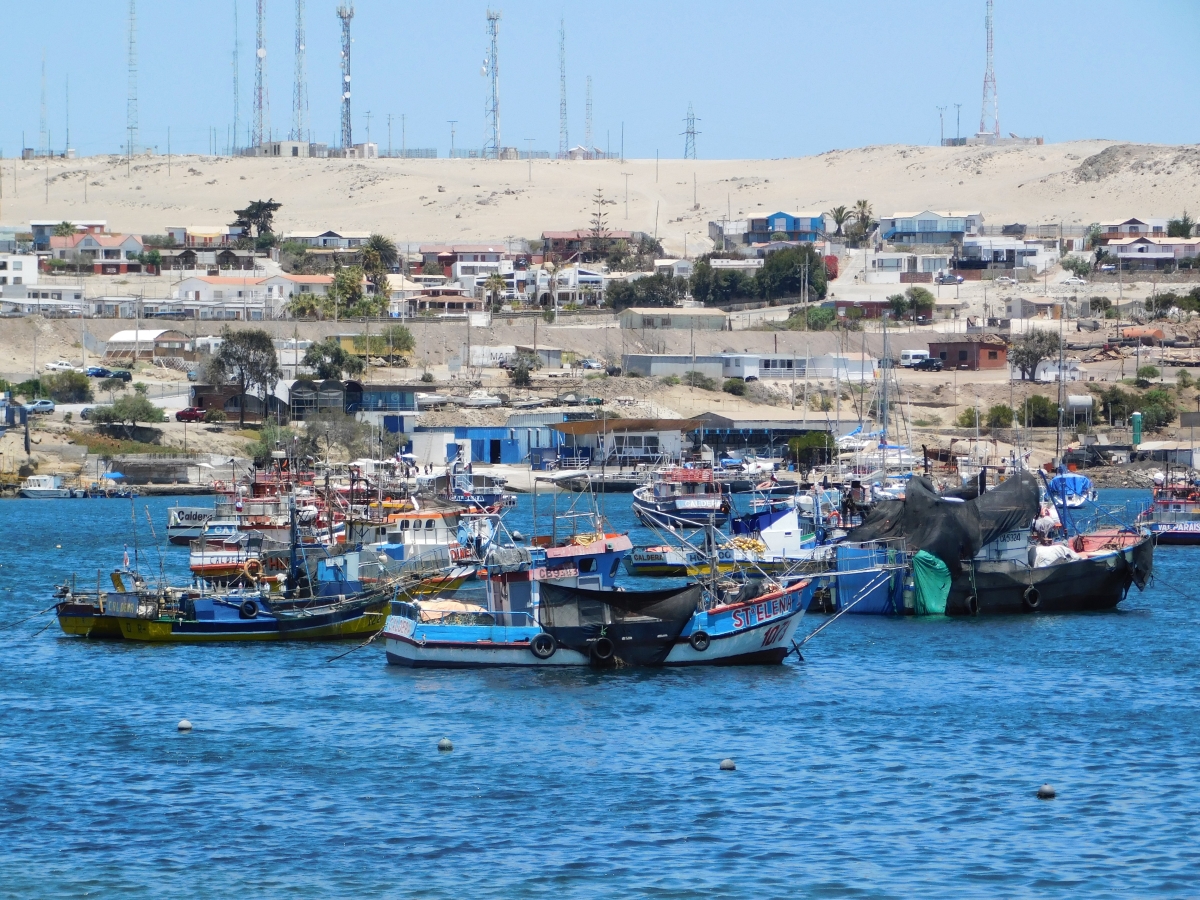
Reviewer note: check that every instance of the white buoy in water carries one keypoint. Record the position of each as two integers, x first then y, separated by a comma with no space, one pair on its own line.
1046,792
184,725
58,546
728,765
445,746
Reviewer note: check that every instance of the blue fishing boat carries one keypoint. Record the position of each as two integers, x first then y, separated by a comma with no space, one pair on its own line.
682,497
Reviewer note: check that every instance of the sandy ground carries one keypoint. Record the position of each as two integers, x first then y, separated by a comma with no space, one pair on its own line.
474,200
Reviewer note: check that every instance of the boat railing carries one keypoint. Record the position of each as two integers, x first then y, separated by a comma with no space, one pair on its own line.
853,556
417,613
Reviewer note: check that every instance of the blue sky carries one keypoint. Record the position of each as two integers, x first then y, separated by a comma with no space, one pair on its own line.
766,80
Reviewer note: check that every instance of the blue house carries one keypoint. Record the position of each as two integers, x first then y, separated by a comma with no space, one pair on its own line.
800,226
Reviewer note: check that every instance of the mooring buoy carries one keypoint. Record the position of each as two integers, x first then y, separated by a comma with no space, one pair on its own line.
1045,792
445,746
184,725
728,765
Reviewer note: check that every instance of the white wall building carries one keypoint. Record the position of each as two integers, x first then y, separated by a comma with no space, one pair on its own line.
18,268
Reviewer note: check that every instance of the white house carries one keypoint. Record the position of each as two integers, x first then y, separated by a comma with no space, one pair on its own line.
204,235
1009,253
289,286
403,296
1132,228
1153,251
220,297
18,268
929,226
676,268
331,240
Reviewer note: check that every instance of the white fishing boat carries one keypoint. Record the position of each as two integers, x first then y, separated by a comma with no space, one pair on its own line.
430,400
479,399
44,487
186,523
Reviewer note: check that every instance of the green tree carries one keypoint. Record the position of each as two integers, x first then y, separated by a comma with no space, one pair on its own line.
385,248
1183,380
1031,348
715,286
331,360
735,386
346,292
1181,227
1149,372
68,387
785,272
523,367
258,217
247,358
332,429
652,290
968,418
1039,411
1077,265
899,305
110,386
864,222
700,380
1000,416
128,412
840,215
598,232
304,306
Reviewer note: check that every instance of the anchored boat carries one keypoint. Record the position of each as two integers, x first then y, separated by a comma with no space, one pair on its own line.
682,497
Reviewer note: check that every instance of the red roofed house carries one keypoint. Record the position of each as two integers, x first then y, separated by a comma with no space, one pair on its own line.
108,254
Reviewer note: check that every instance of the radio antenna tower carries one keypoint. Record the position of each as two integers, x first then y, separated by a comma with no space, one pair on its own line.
43,136
262,107
300,93
991,101
689,135
131,116
237,113
564,143
587,118
491,70
346,13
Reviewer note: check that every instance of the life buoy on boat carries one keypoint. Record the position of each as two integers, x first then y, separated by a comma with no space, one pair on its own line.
543,645
699,641
252,569
603,649
1031,598
248,610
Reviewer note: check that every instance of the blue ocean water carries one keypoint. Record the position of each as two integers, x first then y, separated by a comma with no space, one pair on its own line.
899,759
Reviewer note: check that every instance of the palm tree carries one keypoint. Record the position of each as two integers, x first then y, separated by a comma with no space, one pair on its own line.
862,216
496,286
64,229
385,247
840,215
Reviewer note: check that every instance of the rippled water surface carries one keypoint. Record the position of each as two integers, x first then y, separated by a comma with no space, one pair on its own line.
899,759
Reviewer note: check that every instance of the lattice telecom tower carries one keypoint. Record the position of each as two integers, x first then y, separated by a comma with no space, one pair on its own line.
262,104
491,70
300,91
346,13
564,143
131,115
990,99
689,135
587,118
237,112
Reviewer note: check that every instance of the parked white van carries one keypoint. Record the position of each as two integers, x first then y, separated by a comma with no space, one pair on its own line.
910,358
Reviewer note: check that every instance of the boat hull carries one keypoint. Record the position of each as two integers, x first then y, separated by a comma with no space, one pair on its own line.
45,493
416,646
86,620
1093,583
1177,534
671,514
337,621
177,631
758,632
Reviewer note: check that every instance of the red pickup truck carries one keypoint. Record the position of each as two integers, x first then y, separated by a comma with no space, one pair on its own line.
191,414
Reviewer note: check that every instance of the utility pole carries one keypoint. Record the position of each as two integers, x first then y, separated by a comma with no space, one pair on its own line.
262,109
626,174
236,90
564,144
529,157
300,91
689,134
367,116
941,126
452,122
131,109
957,122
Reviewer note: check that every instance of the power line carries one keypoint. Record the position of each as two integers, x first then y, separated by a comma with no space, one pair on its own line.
491,70
346,13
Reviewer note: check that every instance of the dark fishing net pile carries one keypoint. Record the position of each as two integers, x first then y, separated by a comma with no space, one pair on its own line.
951,531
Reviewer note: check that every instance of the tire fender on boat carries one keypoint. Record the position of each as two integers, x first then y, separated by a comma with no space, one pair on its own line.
1031,598
603,649
699,641
543,645
248,610
972,604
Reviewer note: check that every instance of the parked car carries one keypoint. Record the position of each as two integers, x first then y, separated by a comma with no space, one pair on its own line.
60,366
1004,279
1075,279
193,374
122,374
85,413
929,365
592,364
98,372
40,406
191,414
949,278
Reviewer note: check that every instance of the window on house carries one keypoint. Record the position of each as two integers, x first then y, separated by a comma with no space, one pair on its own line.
992,354
942,355
962,355
1133,229
18,265
1113,229
17,279
927,225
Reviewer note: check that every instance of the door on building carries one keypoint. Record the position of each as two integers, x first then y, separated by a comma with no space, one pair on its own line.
494,451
